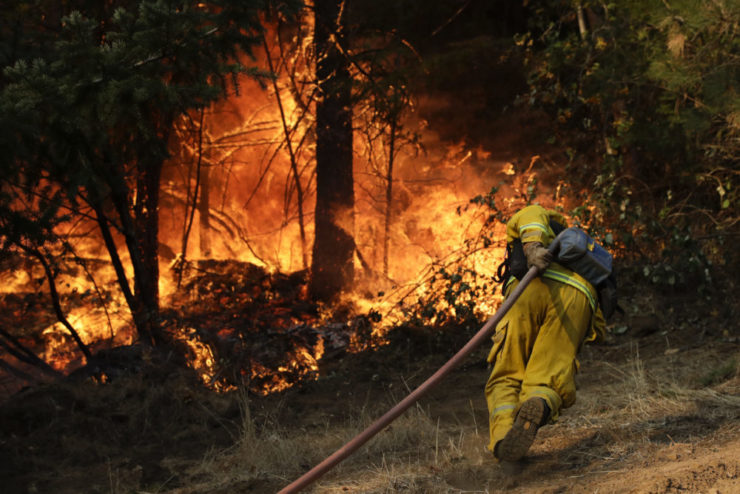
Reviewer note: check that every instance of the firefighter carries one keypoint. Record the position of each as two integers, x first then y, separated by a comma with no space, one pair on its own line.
535,344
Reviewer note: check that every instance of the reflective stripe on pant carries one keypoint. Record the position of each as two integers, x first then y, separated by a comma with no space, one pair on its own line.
534,352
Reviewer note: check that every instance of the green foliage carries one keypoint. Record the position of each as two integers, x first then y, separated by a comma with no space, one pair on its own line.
646,102
452,294
98,93
681,265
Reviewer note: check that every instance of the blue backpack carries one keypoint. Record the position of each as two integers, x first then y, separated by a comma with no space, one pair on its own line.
578,252
581,253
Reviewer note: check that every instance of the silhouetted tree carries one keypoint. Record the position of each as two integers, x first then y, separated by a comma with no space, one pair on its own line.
332,266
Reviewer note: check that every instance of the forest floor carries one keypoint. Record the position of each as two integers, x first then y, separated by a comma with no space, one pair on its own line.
658,411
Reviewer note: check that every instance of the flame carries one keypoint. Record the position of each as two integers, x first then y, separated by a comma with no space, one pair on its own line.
97,328
202,360
303,365
252,179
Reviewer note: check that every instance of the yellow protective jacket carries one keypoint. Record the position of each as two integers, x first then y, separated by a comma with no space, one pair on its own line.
532,224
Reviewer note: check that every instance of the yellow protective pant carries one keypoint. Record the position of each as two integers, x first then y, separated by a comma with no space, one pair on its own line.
534,352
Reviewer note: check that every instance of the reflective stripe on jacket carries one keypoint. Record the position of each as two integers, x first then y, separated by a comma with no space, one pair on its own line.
532,224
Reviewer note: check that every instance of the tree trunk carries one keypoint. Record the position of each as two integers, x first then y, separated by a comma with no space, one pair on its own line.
139,224
332,267
582,28
146,268
389,196
204,211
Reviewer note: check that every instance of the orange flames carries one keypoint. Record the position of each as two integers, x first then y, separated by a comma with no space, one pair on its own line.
252,215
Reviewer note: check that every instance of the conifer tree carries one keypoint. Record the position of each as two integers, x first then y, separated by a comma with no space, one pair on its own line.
88,96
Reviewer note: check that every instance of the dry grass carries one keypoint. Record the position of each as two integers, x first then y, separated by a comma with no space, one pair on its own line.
640,394
643,412
634,411
400,457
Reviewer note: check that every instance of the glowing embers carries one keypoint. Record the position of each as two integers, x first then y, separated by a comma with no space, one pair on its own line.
298,365
200,357
245,325
282,360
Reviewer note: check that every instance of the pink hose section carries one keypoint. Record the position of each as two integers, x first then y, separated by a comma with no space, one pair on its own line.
349,448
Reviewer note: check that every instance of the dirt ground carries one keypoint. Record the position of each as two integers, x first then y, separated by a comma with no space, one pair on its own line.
658,411
606,443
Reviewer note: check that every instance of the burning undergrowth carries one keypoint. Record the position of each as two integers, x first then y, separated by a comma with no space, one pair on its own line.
234,323
240,324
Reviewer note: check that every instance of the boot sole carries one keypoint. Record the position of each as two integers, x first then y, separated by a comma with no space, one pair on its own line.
520,437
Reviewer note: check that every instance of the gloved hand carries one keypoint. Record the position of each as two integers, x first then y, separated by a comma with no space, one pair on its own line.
537,255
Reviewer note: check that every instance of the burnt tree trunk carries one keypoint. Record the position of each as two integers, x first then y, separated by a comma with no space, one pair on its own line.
204,211
332,267
146,268
138,220
389,197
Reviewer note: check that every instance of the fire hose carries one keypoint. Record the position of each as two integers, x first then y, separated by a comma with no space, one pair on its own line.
360,439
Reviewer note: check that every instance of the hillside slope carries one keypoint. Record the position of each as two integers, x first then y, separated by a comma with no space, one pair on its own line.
657,412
